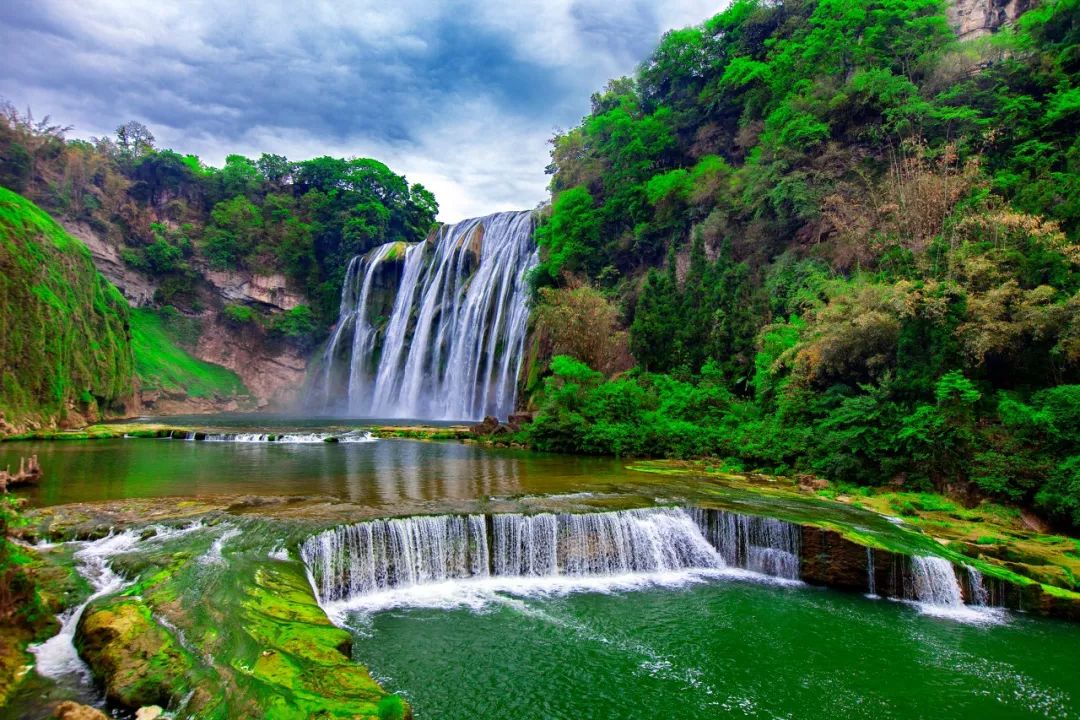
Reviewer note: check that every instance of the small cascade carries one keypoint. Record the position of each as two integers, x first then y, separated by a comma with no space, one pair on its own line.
871,579
615,543
57,657
759,544
360,560
978,594
933,581
367,557
436,329
284,438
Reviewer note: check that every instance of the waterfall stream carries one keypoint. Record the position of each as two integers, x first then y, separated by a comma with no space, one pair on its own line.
359,560
450,344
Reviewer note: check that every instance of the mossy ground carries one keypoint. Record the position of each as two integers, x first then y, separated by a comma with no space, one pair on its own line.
992,538
163,366
64,330
233,634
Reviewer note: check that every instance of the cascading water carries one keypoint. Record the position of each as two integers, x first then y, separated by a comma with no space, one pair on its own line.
372,556
360,560
871,574
979,594
760,544
450,345
613,543
932,581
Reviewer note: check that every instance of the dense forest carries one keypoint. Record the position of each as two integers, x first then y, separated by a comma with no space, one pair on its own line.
826,237
172,215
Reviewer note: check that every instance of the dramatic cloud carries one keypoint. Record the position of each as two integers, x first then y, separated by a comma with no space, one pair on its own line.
461,97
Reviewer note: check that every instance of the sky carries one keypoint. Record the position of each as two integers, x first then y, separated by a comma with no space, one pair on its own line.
460,96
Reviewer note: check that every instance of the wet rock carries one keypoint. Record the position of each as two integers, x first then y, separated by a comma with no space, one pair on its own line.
485,427
70,710
830,559
149,712
136,661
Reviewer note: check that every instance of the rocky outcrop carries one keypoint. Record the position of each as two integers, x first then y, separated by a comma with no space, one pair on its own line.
272,370
137,287
974,18
70,710
136,661
248,288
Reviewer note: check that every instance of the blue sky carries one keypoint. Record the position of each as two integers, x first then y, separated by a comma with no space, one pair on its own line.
459,96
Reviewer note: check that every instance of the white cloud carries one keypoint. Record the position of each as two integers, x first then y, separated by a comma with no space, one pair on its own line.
461,97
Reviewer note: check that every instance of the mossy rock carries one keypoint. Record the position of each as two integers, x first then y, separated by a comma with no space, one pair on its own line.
299,658
135,660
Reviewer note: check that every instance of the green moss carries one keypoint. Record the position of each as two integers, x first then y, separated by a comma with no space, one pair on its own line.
136,660
64,334
162,365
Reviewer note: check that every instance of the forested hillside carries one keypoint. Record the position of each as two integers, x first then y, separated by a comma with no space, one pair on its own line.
243,264
839,242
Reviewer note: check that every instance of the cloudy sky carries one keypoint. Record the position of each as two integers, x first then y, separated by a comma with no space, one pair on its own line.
461,96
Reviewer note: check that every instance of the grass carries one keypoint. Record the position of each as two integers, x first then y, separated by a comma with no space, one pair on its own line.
162,365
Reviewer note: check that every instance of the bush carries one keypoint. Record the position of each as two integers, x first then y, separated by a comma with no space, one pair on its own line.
297,323
239,315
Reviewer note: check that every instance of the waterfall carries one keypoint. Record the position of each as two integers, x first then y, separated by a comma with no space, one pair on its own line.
450,344
933,581
979,594
614,543
871,580
366,558
760,544
371,556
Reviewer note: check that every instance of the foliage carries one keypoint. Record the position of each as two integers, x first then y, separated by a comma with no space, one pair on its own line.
853,234
163,210
581,323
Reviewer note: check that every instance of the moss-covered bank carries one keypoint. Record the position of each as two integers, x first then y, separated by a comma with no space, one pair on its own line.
65,350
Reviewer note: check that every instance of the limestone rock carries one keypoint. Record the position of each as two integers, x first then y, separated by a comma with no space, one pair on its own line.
149,712
70,710
133,657
973,18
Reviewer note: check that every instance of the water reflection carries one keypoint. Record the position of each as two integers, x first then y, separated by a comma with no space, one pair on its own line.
387,474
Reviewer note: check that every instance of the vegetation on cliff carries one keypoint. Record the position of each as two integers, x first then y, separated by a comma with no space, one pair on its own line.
173,218
842,243
163,366
64,345
72,350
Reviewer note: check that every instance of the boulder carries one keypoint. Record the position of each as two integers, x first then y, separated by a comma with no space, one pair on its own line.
70,710
486,427
135,660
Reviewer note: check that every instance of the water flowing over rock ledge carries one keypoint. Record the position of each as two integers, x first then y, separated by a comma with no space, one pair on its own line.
352,563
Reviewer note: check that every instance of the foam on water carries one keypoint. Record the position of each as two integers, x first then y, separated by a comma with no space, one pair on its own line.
290,438
56,657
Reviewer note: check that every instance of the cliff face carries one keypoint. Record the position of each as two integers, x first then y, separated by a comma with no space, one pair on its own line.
973,18
271,369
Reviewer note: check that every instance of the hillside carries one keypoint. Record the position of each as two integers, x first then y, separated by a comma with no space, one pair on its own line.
72,350
830,238
251,254
64,334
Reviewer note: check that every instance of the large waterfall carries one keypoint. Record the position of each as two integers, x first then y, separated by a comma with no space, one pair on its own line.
357,560
434,330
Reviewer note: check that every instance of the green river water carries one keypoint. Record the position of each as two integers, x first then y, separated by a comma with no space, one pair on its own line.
731,645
